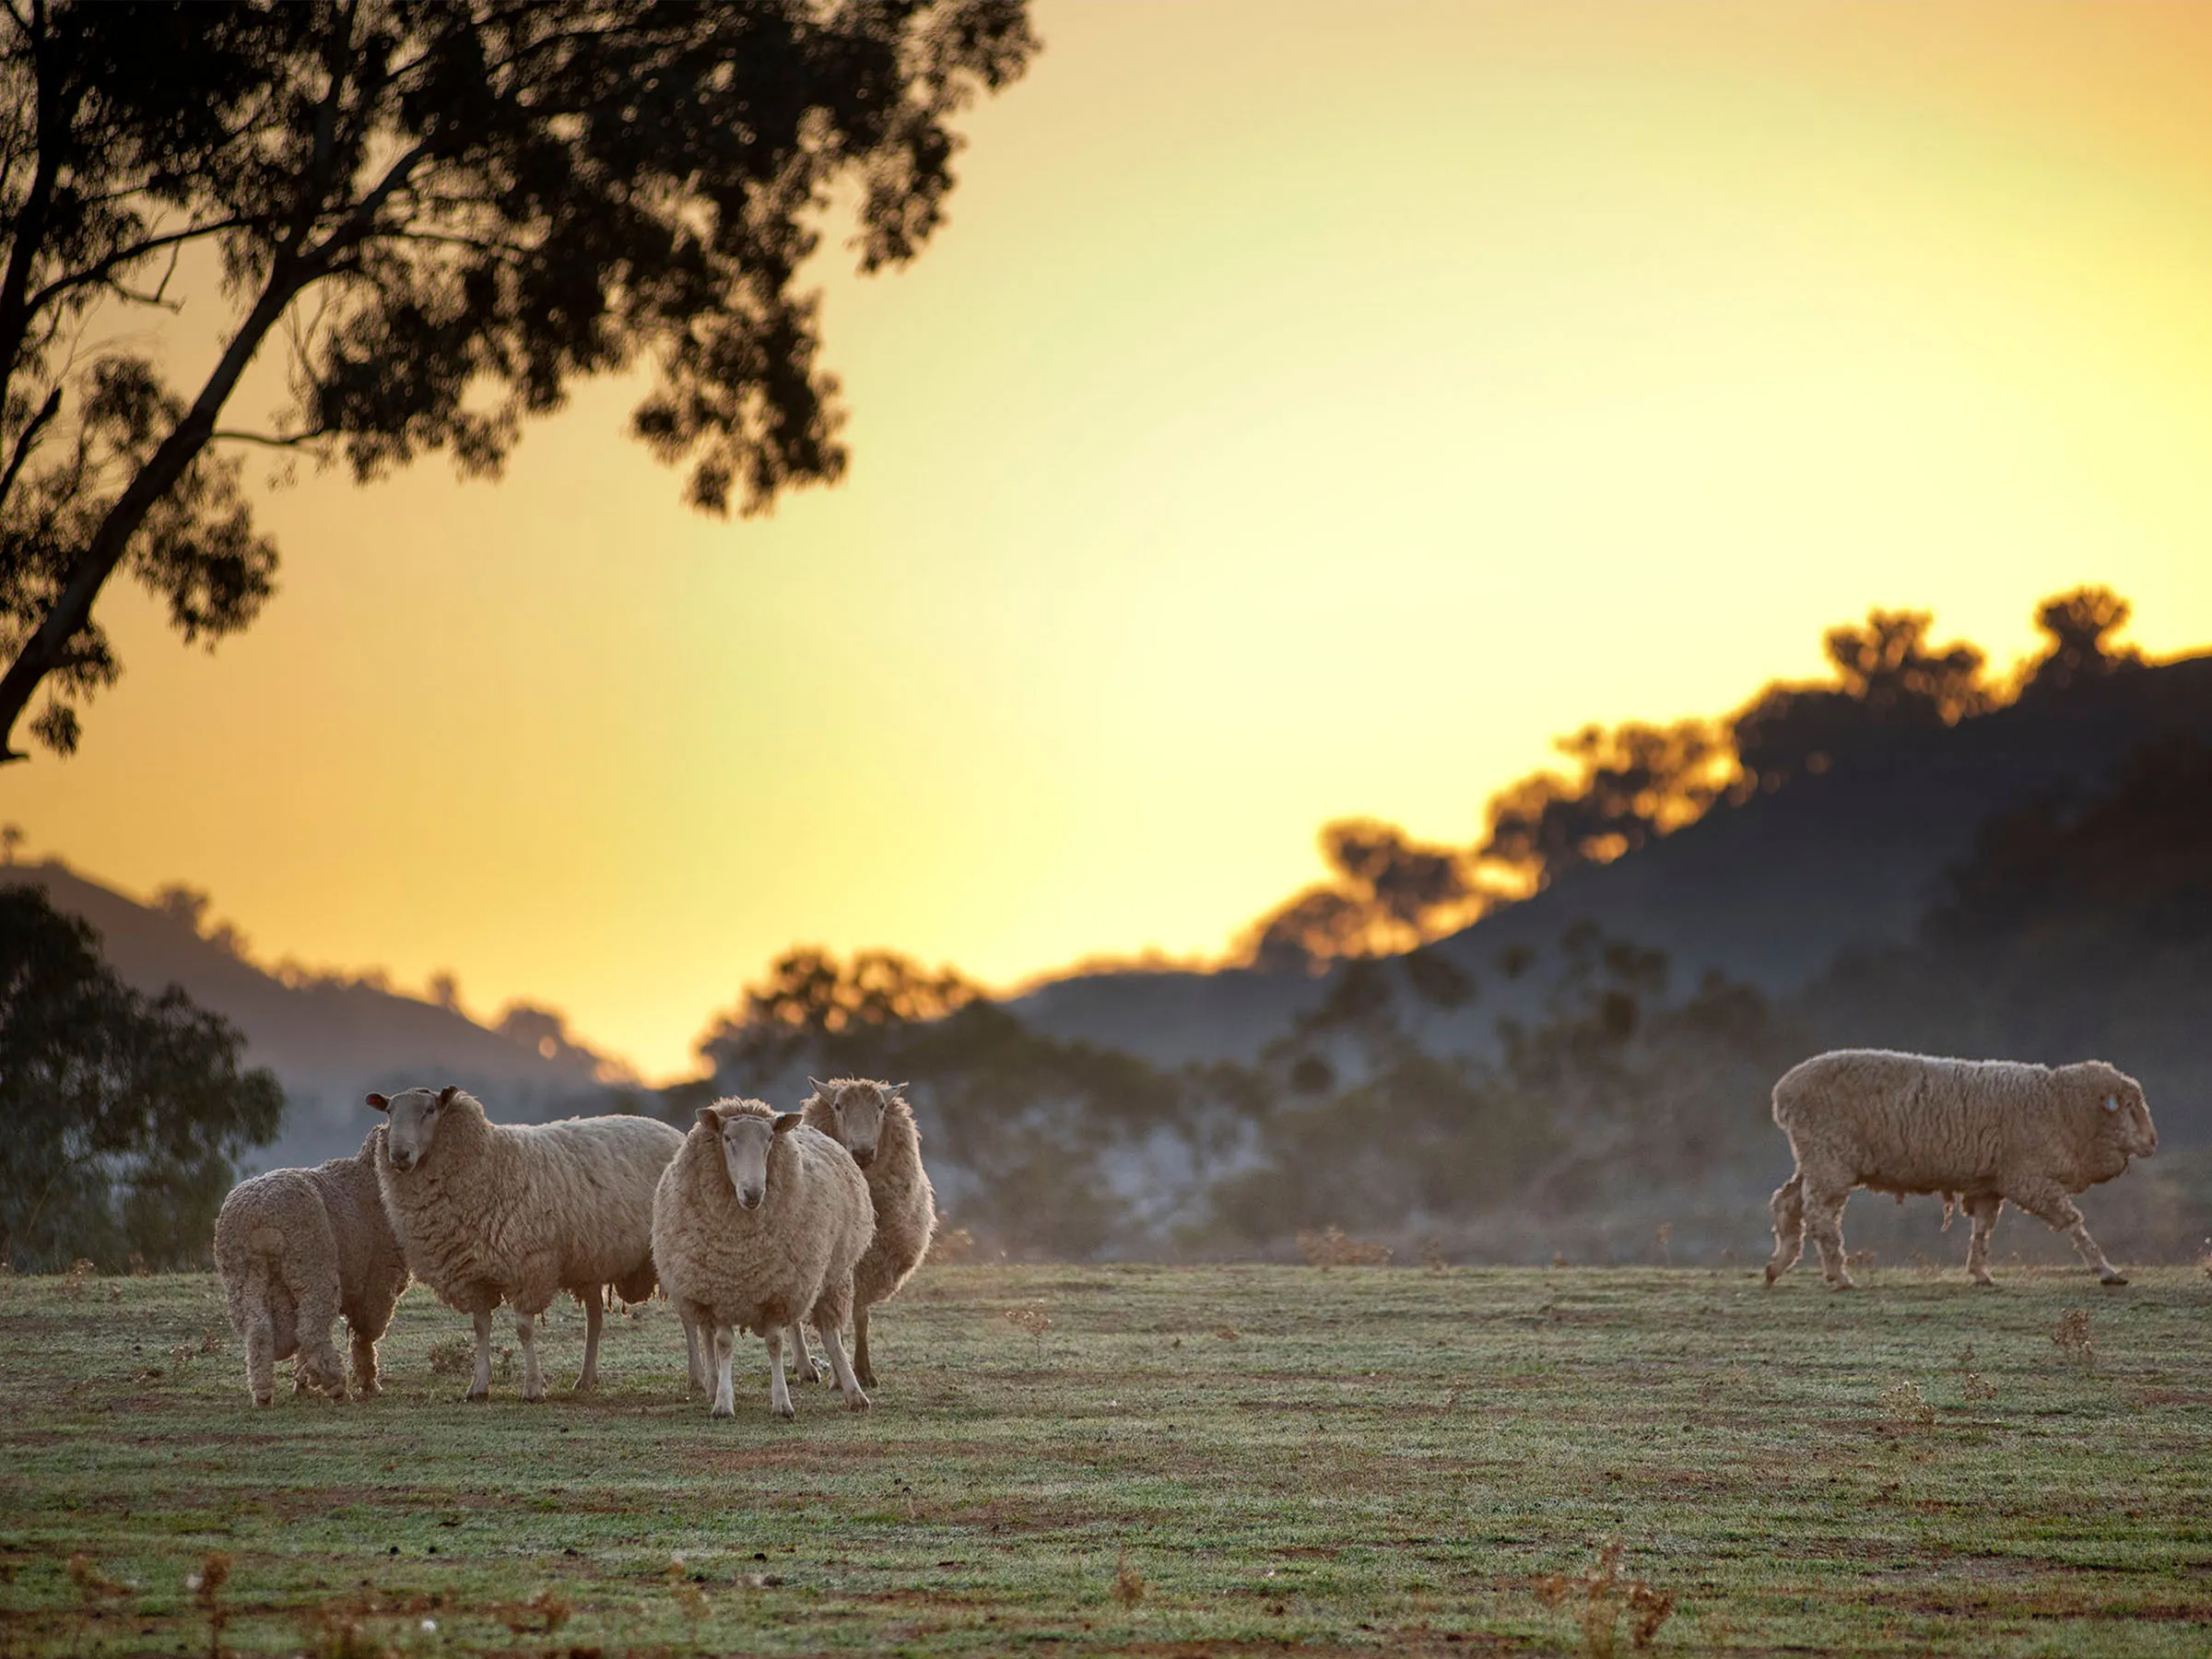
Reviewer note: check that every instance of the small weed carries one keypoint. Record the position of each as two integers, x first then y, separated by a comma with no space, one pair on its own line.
1228,1333
206,1587
690,1600
456,1357
334,1631
1664,1235
1432,1254
1128,1584
506,1364
1861,1259
1599,1595
1032,1321
82,1274
2070,1336
544,1613
1333,1247
1964,1357
1976,1387
1906,1407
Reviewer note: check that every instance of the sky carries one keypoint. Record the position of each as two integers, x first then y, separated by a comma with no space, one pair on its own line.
1309,411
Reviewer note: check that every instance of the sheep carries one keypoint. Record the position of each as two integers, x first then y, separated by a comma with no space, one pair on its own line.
519,1212
756,1225
874,1123
296,1248
1978,1131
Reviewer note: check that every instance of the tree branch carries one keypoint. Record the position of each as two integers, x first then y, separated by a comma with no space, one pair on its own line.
270,440
98,271
27,440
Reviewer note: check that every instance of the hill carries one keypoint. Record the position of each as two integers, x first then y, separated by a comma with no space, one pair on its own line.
330,1040
1767,891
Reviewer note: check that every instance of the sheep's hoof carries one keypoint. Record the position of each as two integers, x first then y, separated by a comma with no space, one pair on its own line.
2111,1278
1842,1284
867,1377
587,1385
477,1396
1983,1282
856,1401
785,1411
820,1369
1774,1273
263,1399
723,1411
369,1391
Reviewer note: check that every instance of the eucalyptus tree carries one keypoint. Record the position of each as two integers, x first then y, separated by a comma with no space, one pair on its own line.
441,215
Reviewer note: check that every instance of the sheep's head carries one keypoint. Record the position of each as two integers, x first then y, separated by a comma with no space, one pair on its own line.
2123,1115
858,1110
745,1138
414,1114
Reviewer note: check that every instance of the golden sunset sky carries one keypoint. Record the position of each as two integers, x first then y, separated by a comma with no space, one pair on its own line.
1311,410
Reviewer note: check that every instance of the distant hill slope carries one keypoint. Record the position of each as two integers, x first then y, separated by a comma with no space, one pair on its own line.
1768,891
329,1043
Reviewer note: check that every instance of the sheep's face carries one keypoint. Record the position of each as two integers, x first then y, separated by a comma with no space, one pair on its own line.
859,1110
413,1113
745,1138
2123,1114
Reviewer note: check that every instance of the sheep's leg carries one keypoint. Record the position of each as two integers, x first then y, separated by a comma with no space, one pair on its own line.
833,1345
1787,1206
1824,1221
696,1348
260,1332
525,1333
365,1380
726,1352
779,1391
315,1305
593,1315
1982,1208
861,1367
479,1386
805,1366
2053,1206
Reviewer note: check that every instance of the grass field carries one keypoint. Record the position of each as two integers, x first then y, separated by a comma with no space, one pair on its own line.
1158,1461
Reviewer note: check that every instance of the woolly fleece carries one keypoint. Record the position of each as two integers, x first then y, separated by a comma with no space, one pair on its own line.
906,1206
520,1212
298,1248
1989,1131
791,1259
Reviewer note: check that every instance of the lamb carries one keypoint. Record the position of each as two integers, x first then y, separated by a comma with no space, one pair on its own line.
874,1123
296,1249
757,1224
1986,1131
519,1212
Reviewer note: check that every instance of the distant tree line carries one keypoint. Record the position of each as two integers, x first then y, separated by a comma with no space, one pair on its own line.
1631,784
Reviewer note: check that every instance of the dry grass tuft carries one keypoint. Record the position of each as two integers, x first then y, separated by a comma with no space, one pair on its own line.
1906,1407
82,1274
454,1357
1128,1584
2070,1336
1333,1247
1598,1596
206,1587
950,1246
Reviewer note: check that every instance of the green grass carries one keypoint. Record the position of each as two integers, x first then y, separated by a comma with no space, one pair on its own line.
1352,1460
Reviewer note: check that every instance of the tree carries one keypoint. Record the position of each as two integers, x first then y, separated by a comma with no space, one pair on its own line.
1637,782
1387,893
443,213
125,1113
2076,624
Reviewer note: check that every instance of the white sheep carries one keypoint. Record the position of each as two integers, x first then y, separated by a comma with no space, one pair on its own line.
756,1225
874,1123
297,1249
1989,1131
520,1212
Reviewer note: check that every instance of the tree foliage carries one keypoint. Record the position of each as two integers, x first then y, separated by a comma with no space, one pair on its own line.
125,1113
443,213
1633,784
1386,893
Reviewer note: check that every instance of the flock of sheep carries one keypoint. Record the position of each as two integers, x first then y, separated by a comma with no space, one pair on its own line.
756,1220
768,1222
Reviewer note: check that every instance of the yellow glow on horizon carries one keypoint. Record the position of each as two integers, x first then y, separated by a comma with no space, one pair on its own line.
1308,412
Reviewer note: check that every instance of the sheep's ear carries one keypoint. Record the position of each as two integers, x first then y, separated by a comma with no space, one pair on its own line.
711,1118
822,1090
445,1095
898,1089
787,1120
380,1102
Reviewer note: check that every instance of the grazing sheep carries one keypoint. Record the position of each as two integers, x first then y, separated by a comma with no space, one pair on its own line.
520,1212
756,1225
296,1248
1986,1131
873,1122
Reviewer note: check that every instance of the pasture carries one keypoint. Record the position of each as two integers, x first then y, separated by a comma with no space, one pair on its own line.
1151,1460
